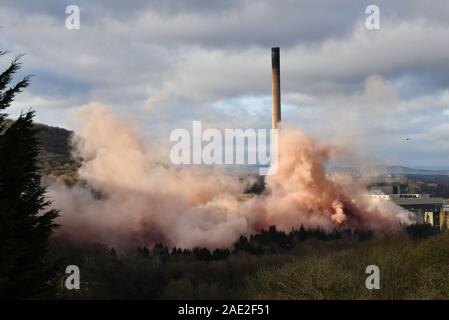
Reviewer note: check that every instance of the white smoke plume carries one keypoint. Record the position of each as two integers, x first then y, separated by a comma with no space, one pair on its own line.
139,201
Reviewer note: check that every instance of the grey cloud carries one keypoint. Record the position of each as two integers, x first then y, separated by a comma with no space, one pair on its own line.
178,60
241,24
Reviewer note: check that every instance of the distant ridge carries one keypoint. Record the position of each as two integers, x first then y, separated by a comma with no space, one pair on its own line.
408,170
56,156
392,169
54,144
54,148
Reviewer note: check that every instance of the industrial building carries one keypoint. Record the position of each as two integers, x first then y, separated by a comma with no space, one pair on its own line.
425,208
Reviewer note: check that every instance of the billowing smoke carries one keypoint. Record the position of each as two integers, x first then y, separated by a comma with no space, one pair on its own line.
128,198
301,191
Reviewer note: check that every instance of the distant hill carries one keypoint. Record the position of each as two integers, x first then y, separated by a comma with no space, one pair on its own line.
54,157
407,171
392,170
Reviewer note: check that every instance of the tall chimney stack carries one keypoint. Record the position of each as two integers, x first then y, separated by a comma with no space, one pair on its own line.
276,87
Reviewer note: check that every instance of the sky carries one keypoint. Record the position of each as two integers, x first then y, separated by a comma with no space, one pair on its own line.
382,93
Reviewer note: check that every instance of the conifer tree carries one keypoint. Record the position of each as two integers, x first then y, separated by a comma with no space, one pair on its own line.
25,222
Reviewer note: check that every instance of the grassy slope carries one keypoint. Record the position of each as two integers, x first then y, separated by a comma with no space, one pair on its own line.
408,270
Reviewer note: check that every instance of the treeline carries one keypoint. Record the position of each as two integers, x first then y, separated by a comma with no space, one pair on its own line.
161,272
271,241
421,231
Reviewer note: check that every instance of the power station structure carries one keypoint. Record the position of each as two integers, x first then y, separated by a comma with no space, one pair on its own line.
425,208
276,87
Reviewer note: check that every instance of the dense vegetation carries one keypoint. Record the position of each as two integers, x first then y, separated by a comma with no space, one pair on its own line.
301,264
408,270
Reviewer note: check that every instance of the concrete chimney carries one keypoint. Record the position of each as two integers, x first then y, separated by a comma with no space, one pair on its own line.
276,87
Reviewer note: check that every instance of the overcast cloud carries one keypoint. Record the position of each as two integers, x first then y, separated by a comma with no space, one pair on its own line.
170,62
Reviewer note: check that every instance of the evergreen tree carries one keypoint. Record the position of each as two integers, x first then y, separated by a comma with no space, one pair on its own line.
25,225
302,233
